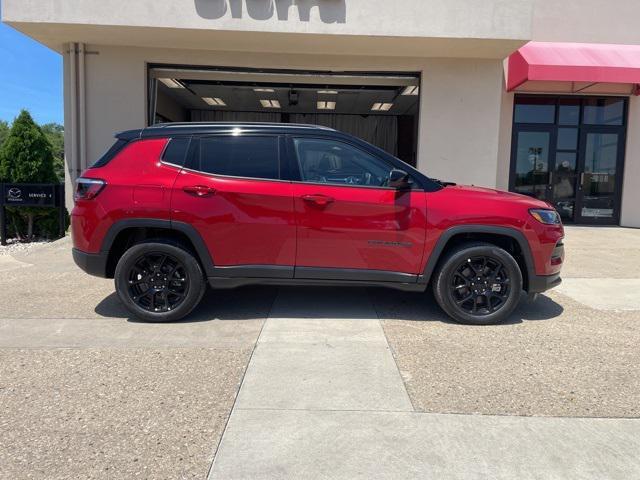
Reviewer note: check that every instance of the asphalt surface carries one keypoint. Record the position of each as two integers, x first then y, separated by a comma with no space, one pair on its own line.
87,392
554,357
263,382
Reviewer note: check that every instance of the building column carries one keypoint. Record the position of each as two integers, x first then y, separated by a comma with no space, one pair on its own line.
630,211
74,115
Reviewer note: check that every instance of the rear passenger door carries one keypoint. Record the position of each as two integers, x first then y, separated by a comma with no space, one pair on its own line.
231,191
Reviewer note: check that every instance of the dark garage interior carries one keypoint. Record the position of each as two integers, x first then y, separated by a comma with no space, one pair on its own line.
381,108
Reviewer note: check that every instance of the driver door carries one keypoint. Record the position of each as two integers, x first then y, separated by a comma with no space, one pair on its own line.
348,219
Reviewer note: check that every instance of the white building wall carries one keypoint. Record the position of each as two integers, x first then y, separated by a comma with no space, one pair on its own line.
472,19
459,113
586,21
460,120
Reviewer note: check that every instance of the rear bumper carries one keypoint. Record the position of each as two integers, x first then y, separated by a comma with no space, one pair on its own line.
542,283
93,263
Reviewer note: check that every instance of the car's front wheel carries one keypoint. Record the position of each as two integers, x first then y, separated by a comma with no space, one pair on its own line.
478,283
159,282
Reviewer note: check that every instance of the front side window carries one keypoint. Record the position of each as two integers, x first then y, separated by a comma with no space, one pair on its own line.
240,156
334,162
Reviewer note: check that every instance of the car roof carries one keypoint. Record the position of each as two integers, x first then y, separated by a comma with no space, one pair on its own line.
192,128
200,128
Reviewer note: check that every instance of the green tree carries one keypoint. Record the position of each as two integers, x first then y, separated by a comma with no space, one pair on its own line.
26,156
4,131
55,134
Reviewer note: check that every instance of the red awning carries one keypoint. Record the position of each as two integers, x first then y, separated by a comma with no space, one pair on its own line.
575,67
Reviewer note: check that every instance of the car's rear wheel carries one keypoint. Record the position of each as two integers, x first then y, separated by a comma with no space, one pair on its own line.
478,283
159,282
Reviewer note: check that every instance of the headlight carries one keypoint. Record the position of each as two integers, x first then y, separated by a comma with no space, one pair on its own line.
548,217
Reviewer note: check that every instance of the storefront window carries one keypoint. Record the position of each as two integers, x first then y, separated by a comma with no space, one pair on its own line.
569,111
568,151
603,111
535,110
567,138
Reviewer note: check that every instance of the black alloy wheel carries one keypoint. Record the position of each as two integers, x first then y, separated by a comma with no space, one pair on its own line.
478,283
158,282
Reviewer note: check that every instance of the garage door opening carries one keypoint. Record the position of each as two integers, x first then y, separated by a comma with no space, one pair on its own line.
380,108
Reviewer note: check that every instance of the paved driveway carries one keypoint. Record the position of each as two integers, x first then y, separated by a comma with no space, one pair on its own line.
321,383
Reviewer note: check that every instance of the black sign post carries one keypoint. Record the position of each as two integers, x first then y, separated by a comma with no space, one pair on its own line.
3,224
31,195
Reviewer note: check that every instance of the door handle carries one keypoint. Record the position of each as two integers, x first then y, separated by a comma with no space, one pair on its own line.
321,200
199,190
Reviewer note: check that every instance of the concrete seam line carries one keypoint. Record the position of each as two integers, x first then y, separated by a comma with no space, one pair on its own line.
393,353
244,374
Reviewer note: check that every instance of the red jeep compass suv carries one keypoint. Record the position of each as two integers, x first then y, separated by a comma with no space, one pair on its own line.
173,207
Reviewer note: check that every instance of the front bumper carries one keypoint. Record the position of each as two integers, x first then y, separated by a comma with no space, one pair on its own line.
93,263
542,283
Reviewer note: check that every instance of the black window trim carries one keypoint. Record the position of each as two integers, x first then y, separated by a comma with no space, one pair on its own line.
189,166
294,164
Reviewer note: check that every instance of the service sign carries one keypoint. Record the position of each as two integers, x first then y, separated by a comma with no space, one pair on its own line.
29,195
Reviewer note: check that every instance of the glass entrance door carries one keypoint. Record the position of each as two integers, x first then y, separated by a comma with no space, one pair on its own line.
600,175
532,153
569,151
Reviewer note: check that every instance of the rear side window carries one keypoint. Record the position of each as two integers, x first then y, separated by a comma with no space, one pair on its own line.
240,156
109,154
176,151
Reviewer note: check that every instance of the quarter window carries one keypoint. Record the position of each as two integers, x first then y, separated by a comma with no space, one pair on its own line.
240,156
332,162
176,151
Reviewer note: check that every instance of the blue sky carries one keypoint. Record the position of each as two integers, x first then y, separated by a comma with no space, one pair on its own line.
30,77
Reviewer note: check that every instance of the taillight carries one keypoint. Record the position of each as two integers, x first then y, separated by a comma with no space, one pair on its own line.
88,188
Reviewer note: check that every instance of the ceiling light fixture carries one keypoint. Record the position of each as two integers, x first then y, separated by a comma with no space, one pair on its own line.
381,107
270,103
267,90
411,90
214,102
322,105
328,92
171,83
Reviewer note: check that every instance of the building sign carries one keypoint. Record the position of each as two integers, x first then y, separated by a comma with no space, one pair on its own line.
29,195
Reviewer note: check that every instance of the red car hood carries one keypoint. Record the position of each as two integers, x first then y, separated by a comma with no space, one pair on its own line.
471,191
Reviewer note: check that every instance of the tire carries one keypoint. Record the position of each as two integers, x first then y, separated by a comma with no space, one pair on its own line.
492,289
159,281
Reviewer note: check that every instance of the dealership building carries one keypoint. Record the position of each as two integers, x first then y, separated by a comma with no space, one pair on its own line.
534,96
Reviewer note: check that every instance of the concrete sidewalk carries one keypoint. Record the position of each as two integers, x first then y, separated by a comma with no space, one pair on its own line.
322,398
320,382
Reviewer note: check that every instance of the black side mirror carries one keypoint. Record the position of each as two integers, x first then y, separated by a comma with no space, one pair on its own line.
399,179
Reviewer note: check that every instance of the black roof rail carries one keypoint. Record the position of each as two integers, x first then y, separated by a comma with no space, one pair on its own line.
238,124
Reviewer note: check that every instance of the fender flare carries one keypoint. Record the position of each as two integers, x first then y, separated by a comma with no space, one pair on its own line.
448,234
192,234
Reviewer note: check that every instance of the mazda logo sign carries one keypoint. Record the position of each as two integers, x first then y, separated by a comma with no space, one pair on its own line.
14,193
